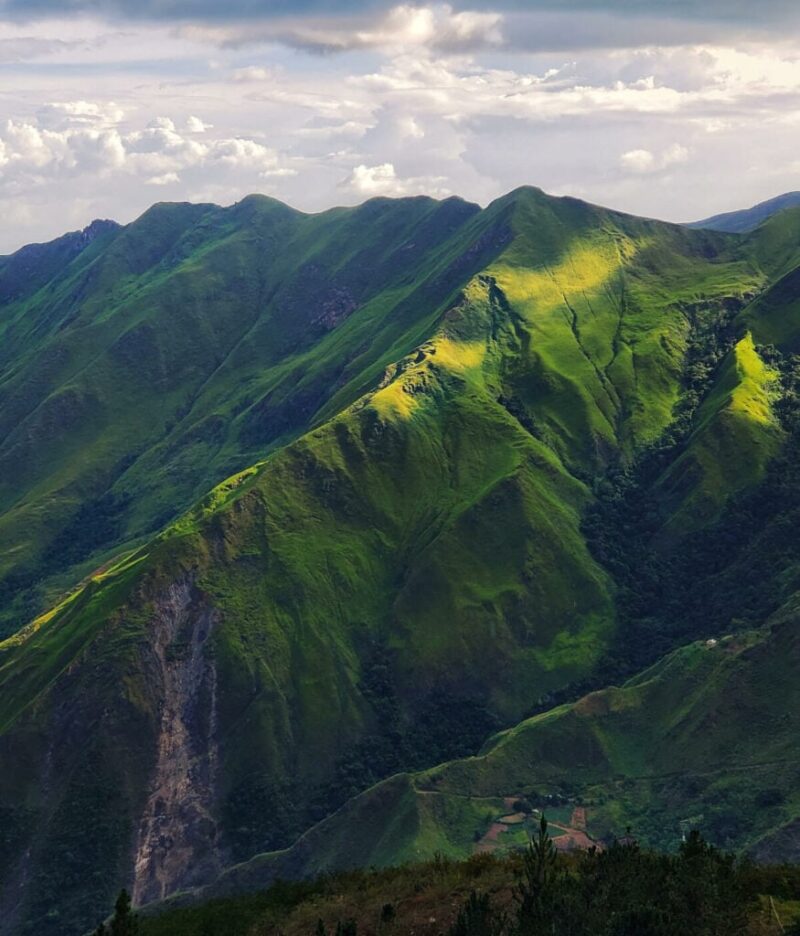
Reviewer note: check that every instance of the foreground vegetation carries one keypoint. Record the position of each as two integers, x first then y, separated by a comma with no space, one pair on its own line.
623,890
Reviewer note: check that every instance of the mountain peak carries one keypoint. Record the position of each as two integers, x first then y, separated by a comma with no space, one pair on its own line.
96,228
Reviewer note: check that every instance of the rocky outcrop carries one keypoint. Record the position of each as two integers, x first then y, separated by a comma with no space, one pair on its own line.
177,843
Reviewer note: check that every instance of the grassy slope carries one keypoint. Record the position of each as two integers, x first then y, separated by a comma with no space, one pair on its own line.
667,745
735,435
157,364
735,432
705,737
435,522
773,317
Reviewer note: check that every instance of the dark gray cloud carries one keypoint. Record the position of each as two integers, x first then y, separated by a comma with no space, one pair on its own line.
730,11
328,27
565,30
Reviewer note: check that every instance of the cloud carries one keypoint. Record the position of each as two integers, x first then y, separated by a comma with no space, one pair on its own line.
172,10
370,181
196,125
451,97
409,127
31,153
374,180
242,153
169,178
15,49
59,115
437,26
638,160
253,73
644,161
332,129
325,26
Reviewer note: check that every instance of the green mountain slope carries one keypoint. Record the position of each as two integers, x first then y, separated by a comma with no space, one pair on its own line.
417,408
155,365
705,737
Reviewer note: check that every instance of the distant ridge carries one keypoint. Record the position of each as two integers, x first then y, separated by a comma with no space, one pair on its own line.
740,222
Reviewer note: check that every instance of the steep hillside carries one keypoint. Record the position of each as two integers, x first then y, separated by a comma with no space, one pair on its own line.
705,738
433,412
164,356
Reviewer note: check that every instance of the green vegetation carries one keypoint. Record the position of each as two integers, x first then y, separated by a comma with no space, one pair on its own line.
124,922
623,889
328,500
706,736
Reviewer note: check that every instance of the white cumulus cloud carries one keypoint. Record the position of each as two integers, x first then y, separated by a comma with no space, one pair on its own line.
31,153
196,125
383,179
644,161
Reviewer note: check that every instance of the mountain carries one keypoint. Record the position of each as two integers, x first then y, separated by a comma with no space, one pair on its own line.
740,222
296,504
706,737
164,356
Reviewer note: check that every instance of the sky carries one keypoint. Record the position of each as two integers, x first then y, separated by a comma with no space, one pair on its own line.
668,108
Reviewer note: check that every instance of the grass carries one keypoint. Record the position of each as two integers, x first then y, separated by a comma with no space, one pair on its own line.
629,755
365,440
736,435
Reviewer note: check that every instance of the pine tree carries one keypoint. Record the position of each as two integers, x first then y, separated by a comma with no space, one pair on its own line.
124,922
478,918
537,891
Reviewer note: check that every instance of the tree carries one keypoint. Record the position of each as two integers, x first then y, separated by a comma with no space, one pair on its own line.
124,922
714,892
478,918
537,891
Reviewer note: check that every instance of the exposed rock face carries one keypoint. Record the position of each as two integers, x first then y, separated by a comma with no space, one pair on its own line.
335,307
177,840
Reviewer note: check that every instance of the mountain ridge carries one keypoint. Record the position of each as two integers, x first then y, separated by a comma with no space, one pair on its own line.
421,403
742,221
